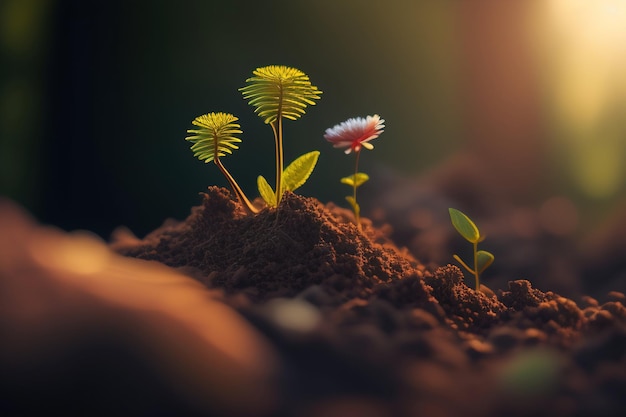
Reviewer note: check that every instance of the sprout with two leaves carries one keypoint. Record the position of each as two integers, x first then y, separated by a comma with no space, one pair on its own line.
354,134
466,228
279,92
214,138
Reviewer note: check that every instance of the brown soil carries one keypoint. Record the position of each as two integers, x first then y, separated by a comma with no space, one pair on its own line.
298,313
395,335
277,253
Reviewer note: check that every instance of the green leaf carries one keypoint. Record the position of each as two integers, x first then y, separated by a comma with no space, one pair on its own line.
464,225
359,178
483,259
355,206
296,174
463,264
266,191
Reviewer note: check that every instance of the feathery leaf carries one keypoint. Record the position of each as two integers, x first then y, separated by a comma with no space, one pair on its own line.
215,130
279,90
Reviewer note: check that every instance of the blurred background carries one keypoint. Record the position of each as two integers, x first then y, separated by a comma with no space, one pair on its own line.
510,110
517,102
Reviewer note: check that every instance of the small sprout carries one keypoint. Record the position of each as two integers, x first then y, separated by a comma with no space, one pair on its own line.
355,181
354,134
216,138
466,228
294,176
279,92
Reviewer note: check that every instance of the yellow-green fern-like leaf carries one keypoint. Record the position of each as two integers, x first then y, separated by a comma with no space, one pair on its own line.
279,91
215,136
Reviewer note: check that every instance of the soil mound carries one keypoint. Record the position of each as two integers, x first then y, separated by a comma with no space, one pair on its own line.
277,253
403,338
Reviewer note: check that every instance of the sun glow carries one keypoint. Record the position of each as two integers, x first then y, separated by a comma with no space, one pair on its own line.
585,47
590,43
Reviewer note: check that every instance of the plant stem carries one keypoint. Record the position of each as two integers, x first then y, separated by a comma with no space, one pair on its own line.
357,210
277,158
236,188
475,271
278,137
279,161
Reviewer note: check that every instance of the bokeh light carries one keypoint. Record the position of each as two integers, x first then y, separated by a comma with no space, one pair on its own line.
584,45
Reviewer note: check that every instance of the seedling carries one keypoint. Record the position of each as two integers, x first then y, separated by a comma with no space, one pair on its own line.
280,92
466,228
294,176
355,180
354,134
216,138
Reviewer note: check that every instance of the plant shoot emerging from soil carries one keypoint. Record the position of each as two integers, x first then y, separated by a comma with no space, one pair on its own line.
294,176
215,138
280,92
466,228
354,134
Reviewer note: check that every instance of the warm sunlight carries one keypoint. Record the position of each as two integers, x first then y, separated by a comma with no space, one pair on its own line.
585,45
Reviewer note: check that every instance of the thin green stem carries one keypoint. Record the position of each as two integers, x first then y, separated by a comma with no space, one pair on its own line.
357,211
475,271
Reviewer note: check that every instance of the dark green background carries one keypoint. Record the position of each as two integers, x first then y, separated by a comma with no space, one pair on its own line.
97,97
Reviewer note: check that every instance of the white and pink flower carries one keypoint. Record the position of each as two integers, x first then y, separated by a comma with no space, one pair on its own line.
355,133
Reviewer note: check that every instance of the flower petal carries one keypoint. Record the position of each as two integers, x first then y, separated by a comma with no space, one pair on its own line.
355,132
